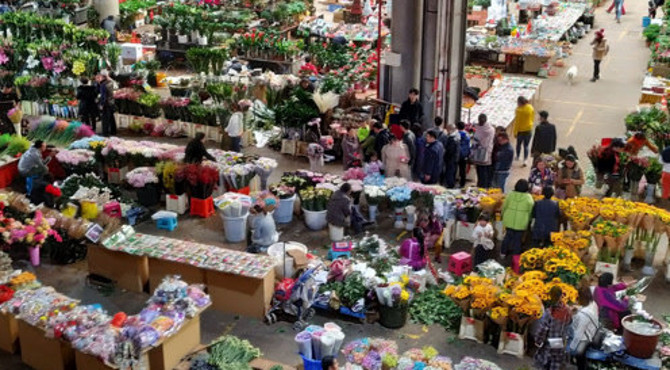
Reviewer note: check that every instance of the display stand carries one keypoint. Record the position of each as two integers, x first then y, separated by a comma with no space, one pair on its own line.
9,333
158,269
168,353
130,272
240,294
42,353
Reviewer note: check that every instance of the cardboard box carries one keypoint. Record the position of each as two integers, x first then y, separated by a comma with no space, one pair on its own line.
128,271
88,362
158,269
42,353
299,258
9,333
239,294
264,364
169,353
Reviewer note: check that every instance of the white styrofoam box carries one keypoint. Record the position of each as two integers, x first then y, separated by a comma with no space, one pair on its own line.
176,203
512,343
131,51
472,329
464,230
603,267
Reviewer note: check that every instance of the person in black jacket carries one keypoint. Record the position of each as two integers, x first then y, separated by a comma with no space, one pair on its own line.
547,215
451,155
196,151
544,140
409,139
411,109
502,164
88,108
382,137
431,168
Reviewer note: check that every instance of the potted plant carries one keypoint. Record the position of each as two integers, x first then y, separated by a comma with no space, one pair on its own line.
76,161
150,106
145,182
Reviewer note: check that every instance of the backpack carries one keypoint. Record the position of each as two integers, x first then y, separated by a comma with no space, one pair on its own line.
465,145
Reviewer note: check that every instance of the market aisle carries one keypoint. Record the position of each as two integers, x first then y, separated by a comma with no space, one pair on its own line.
585,112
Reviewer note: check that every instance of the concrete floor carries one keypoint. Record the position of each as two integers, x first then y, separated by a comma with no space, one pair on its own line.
583,113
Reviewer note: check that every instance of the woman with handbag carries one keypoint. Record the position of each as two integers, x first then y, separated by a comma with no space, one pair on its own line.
584,326
552,333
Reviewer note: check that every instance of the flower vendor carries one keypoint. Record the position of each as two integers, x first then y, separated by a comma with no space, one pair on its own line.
413,250
329,363
569,179
609,164
610,308
584,326
339,207
483,245
639,141
31,163
547,215
196,151
265,231
552,332
516,214
432,231
235,127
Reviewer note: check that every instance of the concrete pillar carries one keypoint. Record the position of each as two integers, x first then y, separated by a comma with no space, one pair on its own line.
405,30
429,59
456,59
107,8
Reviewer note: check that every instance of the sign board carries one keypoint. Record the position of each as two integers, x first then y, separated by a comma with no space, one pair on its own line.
391,59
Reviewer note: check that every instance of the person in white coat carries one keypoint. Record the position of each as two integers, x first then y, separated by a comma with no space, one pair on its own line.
235,128
584,326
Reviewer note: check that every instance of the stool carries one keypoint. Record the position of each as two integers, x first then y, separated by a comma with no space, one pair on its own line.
202,207
460,263
167,223
333,255
112,209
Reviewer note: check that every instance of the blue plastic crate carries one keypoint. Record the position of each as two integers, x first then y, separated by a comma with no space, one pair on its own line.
167,223
332,255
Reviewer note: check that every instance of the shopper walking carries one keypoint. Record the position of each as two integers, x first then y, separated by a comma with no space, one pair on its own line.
87,95
235,128
544,140
503,161
431,168
411,109
106,103
409,140
584,326
600,50
547,216
451,156
516,214
464,153
623,8
553,332
395,157
523,127
482,151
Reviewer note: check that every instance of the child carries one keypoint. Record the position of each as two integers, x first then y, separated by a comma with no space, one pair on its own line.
374,167
483,235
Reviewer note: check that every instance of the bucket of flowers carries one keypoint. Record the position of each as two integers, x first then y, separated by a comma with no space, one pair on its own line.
399,197
145,182
32,234
374,195
314,202
200,179
76,161
394,303
238,177
286,194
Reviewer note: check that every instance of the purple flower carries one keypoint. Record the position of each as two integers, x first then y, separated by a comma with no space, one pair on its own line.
3,58
59,66
48,63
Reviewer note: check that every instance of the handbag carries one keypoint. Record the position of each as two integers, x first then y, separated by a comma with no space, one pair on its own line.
478,154
557,342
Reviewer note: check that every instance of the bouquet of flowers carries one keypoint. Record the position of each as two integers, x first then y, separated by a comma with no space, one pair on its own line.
576,241
167,174
474,292
33,232
555,262
399,196
201,179
264,168
610,233
368,352
79,161
141,177
266,200
374,194
315,200
354,173
393,295
282,191
239,176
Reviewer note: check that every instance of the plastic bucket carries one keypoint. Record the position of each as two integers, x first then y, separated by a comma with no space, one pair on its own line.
393,317
310,364
284,212
34,255
315,220
235,228
282,263
639,345
646,21
336,233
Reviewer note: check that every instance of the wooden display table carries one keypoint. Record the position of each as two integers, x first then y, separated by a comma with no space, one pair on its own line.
9,333
239,294
42,353
158,269
129,271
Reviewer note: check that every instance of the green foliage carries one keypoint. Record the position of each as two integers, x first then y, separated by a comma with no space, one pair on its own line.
434,307
653,171
232,353
297,110
652,32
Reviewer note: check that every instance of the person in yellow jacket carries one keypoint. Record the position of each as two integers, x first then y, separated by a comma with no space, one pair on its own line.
523,127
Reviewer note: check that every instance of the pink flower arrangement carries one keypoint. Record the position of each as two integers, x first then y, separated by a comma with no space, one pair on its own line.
32,232
75,157
354,173
141,176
